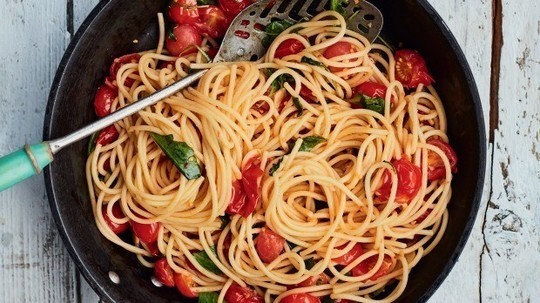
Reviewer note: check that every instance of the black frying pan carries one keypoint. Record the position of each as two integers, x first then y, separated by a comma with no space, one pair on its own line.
109,32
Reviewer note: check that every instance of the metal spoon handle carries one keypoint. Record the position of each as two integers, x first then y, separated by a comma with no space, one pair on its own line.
58,144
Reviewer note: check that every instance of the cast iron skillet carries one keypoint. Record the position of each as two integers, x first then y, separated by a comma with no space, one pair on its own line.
109,32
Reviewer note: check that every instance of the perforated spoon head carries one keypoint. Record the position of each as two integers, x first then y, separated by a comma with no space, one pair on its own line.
244,38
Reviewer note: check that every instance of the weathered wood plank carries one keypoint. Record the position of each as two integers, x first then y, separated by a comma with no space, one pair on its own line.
470,22
511,260
34,266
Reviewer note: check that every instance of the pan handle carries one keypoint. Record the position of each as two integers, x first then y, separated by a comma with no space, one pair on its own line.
23,164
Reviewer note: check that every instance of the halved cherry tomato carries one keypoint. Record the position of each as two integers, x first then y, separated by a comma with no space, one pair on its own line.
117,64
147,233
185,284
103,100
300,298
234,7
371,89
315,280
369,263
409,181
269,245
246,193
164,273
183,11
212,21
239,294
411,69
289,47
350,256
153,249
338,49
107,135
182,40
117,213
436,169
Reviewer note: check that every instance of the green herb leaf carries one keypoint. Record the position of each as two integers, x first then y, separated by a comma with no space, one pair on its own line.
356,100
310,263
180,153
298,106
206,2
225,220
208,297
273,29
335,5
205,261
171,35
275,167
375,104
92,142
279,82
308,143
310,61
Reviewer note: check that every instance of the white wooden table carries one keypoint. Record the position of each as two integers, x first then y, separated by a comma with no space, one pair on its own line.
501,262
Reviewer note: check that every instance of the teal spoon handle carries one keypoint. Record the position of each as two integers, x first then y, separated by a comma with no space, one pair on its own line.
23,164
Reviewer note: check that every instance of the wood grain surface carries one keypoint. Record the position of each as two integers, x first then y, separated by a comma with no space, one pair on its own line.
501,261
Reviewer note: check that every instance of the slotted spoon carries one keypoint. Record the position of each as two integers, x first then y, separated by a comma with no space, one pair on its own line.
364,18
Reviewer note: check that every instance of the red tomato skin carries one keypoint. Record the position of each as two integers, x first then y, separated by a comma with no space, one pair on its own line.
183,11
238,198
315,280
289,47
368,264
164,273
409,181
251,182
269,245
423,216
371,89
184,285
107,135
212,22
233,7
183,40
300,298
436,169
350,256
306,93
338,49
117,64
117,212
147,233
103,100
239,294
411,69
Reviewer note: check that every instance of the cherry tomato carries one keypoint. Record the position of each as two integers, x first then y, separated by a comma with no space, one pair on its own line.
423,216
246,193
269,245
306,93
183,11
411,69
409,181
436,169
164,273
212,21
300,298
185,284
371,89
350,256
233,7
117,213
289,47
239,294
117,64
368,264
107,135
147,233
153,249
338,49
103,100
182,40
315,280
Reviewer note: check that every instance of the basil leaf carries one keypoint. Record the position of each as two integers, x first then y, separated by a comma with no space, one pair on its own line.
92,142
273,29
308,143
205,261
335,5
279,82
225,220
275,167
356,100
208,297
310,263
206,2
375,104
313,62
180,153
298,106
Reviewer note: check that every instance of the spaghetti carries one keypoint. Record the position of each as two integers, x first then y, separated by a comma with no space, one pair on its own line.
324,159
